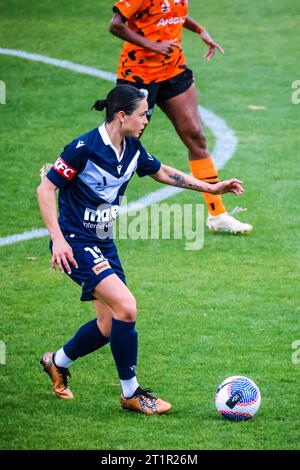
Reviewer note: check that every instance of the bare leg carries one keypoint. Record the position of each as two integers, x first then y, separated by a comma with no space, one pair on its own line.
104,316
183,112
117,298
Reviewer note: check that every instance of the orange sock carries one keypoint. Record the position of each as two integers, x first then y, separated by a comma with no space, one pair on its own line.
205,170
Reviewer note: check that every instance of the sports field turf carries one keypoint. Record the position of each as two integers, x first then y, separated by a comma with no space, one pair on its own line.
230,308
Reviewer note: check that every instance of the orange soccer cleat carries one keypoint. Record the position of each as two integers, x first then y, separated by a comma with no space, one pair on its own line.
142,401
58,375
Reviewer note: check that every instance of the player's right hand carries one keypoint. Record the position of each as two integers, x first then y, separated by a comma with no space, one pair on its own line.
165,47
228,186
62,255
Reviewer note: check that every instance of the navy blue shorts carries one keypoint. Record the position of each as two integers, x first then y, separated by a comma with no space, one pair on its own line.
158,92
95,262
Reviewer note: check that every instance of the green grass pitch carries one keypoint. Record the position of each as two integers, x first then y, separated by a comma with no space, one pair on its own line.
230,308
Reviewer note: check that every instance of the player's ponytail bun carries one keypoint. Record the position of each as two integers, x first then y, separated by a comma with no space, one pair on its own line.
99,105
121,98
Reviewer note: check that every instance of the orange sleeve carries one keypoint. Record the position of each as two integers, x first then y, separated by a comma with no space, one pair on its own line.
128,8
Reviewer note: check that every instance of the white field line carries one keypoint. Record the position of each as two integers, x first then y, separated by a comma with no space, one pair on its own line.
225,146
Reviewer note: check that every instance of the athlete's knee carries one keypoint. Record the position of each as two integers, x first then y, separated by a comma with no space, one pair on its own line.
126,309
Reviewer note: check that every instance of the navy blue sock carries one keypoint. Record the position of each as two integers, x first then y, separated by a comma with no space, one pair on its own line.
86,340
124,346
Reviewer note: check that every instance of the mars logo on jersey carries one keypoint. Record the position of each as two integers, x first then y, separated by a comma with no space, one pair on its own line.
104,214
102,220
67,171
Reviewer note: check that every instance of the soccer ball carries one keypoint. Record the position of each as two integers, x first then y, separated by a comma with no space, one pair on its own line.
237,398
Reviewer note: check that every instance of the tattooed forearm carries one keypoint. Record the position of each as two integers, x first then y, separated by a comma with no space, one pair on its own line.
173,177
180,181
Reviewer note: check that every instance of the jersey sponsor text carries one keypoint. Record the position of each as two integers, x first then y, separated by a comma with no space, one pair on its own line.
174,20
67,171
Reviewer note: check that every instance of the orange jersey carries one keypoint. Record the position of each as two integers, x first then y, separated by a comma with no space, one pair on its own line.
156,20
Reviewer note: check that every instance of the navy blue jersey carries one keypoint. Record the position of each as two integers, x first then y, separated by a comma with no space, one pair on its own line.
92,178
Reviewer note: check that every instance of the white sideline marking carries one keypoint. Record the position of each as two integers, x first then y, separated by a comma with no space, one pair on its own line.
226,141
64,64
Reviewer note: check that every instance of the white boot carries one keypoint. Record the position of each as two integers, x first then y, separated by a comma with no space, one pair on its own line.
227,223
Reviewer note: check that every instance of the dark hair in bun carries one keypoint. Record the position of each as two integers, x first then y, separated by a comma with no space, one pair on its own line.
121,98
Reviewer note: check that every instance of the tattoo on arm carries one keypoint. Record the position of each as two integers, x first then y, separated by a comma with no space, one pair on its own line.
180,181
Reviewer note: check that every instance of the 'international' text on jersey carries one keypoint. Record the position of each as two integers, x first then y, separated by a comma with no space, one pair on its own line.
92,178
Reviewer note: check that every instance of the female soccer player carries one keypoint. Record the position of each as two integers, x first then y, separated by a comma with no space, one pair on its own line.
152,59
92,174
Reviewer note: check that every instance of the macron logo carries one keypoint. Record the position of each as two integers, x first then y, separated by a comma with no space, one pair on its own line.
80,144
150,156
67,171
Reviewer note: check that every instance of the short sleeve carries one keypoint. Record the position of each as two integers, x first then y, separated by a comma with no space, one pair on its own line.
127,8
72,161
147,163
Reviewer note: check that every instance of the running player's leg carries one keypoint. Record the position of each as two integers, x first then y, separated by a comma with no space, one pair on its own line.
89,337
123,337
124,345
104,315
93,334
183,111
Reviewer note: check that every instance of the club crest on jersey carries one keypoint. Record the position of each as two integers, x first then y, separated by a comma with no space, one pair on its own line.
166,7
67,171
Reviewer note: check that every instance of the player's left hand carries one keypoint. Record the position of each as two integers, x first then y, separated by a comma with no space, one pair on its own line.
229,186
212,45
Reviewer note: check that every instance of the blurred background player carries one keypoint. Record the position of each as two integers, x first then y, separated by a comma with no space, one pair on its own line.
152,59
92,174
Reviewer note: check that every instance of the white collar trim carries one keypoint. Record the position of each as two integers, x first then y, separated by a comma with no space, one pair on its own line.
106,140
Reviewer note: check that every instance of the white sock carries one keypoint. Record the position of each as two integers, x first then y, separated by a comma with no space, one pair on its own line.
61,359
129,387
